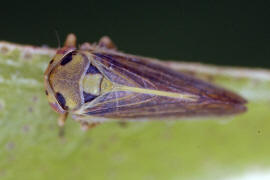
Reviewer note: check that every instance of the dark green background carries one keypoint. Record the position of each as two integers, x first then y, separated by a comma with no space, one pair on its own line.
220,32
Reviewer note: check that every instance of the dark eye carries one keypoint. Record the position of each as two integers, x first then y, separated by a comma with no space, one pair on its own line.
67,59
61,100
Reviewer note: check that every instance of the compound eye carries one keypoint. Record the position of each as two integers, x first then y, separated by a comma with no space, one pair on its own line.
60,105
61,100
67,58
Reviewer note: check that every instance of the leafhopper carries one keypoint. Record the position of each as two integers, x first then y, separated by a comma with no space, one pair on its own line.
97,83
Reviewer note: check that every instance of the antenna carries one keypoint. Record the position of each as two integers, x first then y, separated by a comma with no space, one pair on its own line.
58,39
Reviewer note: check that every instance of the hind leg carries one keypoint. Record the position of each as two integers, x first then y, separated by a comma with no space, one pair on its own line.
87,126
106,42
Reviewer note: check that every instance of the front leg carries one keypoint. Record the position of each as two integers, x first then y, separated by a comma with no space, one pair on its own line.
70,40
62,119
61,122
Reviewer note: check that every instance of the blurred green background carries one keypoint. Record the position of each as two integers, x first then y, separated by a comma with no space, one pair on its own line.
219,32
230,33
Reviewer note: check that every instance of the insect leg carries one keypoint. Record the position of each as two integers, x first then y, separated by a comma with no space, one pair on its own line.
62,119
61,122
105,41
86,46
70,40
85,126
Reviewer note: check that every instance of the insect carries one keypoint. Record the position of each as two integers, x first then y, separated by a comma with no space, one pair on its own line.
97,83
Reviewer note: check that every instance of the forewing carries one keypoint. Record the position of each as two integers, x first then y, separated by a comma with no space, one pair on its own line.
125,104
145,73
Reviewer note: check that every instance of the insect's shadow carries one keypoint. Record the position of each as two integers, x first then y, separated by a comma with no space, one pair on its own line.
61,132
